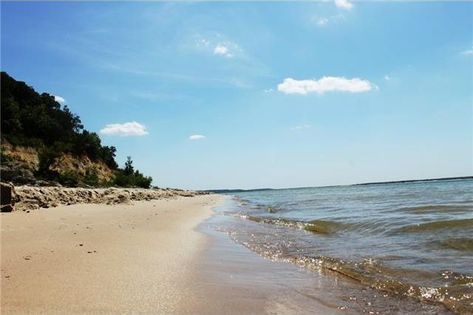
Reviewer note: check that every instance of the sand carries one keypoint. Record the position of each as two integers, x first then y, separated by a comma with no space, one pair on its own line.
103,259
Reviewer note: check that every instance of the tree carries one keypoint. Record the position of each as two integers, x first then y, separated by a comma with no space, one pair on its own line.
128,170
129,177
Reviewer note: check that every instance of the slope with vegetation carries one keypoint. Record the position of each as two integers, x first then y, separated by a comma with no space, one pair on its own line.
43,141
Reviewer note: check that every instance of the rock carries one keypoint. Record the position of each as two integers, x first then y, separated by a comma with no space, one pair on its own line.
30,198
7,208
7,193
43,183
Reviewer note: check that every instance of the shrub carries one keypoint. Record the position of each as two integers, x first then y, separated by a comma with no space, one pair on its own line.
68,179
128,177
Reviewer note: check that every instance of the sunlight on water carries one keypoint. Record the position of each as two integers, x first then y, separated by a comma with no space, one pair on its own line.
410,239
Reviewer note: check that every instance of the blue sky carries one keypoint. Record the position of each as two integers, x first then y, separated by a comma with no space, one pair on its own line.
244,95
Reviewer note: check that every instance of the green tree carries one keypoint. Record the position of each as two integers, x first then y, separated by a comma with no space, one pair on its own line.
128,170
38,120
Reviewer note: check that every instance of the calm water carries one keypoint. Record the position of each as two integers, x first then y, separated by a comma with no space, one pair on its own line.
406,239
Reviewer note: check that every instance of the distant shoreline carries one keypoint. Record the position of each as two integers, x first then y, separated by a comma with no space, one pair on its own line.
228,191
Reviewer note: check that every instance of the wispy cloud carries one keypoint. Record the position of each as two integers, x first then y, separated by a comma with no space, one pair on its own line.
322,21
132,128
218,45
387,77
196,137
223,50
344,4
468,52
325,84
59,99
301,127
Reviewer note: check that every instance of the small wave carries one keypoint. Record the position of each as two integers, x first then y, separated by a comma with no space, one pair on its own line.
437,225
314,226
456,294
459,244
437,209
272,209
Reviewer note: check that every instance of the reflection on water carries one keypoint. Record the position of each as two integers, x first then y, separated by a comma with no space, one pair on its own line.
406,239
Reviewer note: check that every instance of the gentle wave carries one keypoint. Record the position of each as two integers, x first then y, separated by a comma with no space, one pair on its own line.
460,244
438,225
424,226
314,226
437,209
456,294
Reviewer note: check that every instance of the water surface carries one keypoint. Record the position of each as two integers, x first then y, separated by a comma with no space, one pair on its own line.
410,240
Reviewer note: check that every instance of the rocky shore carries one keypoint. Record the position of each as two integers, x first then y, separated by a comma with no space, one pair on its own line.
25,198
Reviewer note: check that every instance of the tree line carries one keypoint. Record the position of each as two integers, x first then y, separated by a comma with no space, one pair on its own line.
38,120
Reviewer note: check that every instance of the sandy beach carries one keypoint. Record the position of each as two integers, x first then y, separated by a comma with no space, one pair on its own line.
165,256
107,259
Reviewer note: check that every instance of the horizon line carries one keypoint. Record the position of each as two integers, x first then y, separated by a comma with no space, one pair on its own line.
354,184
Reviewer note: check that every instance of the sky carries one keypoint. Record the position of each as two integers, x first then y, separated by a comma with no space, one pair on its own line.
206,95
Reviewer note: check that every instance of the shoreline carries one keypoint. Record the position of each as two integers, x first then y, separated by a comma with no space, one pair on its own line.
96,258
241,280
167,256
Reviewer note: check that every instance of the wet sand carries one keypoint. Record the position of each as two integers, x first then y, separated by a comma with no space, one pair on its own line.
235,279
102,259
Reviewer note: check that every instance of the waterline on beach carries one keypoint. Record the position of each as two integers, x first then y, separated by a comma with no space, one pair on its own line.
410,240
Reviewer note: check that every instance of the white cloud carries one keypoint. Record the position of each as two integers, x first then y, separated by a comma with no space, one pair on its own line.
218,45
59,99
325,84
387,77
344,4
268,90
196,137
322,21
226,49
301,127
132,128
223,50
468,52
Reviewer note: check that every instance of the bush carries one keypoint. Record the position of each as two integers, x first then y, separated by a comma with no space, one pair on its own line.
128,177
91,178
47,157
68,179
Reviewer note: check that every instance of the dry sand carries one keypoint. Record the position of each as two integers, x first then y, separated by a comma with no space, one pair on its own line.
102,259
